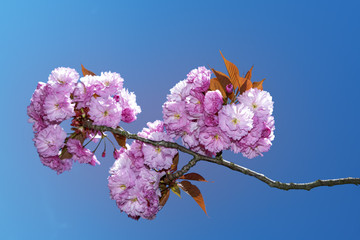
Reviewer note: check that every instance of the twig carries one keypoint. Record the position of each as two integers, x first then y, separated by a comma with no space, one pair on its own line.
220,161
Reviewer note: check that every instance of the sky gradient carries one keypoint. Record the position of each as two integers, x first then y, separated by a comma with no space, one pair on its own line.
308,51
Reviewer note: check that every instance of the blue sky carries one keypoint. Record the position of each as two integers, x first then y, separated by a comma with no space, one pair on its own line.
308,51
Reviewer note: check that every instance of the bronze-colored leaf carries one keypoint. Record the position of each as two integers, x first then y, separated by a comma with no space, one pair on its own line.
193,176
86,72
215,85
120,139
164,197
258,85
176,190
175,162
246,86
233,71
65,154
194,192
249,74
223,80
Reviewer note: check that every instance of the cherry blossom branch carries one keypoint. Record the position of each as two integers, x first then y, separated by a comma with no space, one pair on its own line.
220,161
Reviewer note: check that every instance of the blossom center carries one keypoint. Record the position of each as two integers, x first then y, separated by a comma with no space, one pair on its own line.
158,150
235,121
177,116
134,199
254,105
216,137
106,113
123,186
57,105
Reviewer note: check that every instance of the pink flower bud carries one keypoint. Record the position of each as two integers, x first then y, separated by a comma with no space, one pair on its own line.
229,88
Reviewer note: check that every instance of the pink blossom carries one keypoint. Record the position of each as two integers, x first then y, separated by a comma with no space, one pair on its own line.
213,139
111,83
80,154
200,78
57,164
128,103
260,102
158,157
63,80
120,182
251,151
213,101
180,91
58,107
175,117
105,111
50,140
194,105
235,120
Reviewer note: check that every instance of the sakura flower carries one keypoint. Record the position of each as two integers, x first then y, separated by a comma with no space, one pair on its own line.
194,105
200,78
213,139
175,117
49,140
57,164
158,157
105,111
235,120
80,154
180,91
213,101
260,102
129,106
63,79
58,107
251,151
111,82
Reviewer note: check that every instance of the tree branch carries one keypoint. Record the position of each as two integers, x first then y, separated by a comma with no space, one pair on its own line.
220,161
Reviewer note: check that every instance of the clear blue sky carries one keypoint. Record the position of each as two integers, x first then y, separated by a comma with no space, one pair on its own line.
308,51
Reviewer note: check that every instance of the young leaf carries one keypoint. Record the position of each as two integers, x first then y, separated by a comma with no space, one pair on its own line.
120,139
215,85
194,177
223,80
86,72
176,190
164,197
249,73
258,85
233,71
246,86
65,154
175,162
194,192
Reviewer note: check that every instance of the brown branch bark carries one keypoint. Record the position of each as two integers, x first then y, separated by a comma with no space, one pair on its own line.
220,161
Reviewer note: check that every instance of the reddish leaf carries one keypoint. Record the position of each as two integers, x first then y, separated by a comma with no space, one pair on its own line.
216,85
164,197
65,154
194,192
233,71
223,80
176,190
175,162
258,85
120,139
86,72
246,86
193,176
249,73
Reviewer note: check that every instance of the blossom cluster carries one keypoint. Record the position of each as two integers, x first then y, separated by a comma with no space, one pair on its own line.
208,124
135,176
100,99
